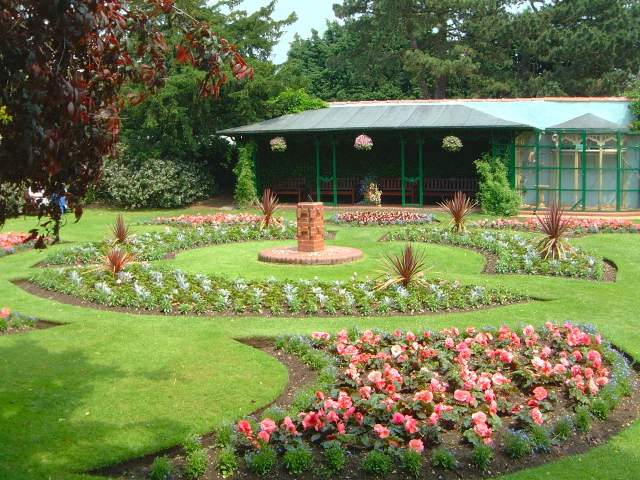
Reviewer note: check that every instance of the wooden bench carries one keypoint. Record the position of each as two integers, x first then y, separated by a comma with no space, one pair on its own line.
392,187
446,187
289,186
344,187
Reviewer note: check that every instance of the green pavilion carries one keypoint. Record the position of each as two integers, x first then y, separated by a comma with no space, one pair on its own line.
575,151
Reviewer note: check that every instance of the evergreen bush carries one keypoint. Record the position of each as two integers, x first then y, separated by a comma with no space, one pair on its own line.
245,192
496,196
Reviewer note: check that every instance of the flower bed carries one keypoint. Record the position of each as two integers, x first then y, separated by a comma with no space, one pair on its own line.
13,322
576,225
157,245
514,253
12,242
389,217
217,219
465,396
143,286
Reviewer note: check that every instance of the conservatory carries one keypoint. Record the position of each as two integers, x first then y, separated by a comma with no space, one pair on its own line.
578,152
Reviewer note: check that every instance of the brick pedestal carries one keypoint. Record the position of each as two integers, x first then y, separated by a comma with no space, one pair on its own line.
310,216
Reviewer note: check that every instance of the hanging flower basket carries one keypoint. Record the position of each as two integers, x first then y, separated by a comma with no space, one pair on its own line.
278,144
363,143
452,144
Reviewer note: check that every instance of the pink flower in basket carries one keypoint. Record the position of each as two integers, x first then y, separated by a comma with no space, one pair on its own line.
363,142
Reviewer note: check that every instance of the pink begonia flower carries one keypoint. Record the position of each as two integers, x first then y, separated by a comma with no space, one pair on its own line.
411,337
396,350
484,431
416,445
290,426
312,420
449,343
540,393
382,431
506,356
365,392
536,416
5,312
423,396
344,400
320,335
398,418
594,357
245,427
479,417
411,425
528,330
463,396
499,379
333,417
341,428
268,425
264,436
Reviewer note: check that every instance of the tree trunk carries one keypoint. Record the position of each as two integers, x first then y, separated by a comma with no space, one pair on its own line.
441,87
422,83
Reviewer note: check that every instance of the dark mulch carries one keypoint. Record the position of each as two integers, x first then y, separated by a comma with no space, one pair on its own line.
301,376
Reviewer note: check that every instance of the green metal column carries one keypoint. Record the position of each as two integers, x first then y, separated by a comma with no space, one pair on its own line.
317,144
334,172
421,171
584,170
618,172
402,168
537,169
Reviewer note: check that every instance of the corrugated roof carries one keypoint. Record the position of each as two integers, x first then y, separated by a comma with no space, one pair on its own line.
541,113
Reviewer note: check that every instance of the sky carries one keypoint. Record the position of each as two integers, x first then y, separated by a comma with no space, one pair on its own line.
312,14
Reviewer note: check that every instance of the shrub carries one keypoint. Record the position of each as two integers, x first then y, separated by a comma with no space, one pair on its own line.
268,206
4,324
411,462
516,444
554,227
443,458
405,268
335,456
196,463
495,194
459,207
227,463
192,443
563,429
540,439
245,191
262,461
116,260
583,419
161,469
377,463
297,460
132,182
12,198
482,456
600,408
224,436
120,230
294,101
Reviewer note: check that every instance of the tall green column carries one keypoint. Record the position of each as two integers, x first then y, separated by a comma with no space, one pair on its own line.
537,169
256,168
402,169
618,171
584,170
317,145
421,170
335,171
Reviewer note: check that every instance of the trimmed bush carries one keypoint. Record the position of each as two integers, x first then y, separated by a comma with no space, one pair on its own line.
443,458
583,419
161,469
196,463
517,444
411,462
482,456
227,463
298,460
137,182
377,463
495,194
563,429
335,457
262,461
245,192
540,439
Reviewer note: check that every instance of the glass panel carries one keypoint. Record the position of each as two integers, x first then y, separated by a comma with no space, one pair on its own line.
601,179
631,141
525,178
630,200
528,197
571,179
525,157
570,198
631,159
548,157
549,179
547,197
526,138
631,180
604,200
570,158
550,139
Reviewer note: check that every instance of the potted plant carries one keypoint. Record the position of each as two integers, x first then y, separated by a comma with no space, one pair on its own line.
363,143
451,143
278,144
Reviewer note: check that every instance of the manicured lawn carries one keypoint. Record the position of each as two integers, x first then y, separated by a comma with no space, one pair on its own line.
110,386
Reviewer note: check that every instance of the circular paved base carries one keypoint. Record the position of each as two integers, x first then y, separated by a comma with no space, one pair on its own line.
331,255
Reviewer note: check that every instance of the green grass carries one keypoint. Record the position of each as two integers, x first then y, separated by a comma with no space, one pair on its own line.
108,386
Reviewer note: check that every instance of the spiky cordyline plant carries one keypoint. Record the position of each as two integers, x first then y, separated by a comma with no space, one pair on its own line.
116,260
554,227
405,268
459,207
268,206
120,230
